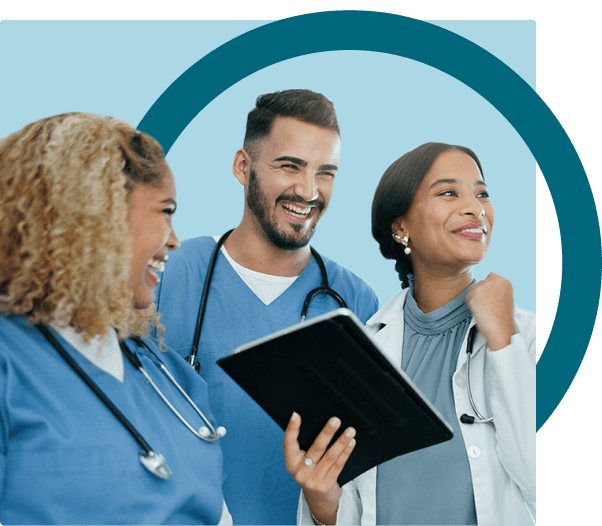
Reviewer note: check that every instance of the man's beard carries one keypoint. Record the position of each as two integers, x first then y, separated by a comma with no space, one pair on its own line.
257,203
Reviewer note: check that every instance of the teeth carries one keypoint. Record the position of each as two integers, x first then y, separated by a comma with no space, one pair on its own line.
475,230
297,210
157,265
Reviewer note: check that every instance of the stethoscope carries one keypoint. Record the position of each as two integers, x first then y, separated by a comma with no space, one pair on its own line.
465,418
324,288
150,459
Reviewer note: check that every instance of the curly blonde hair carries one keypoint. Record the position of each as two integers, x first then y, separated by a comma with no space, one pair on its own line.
65,247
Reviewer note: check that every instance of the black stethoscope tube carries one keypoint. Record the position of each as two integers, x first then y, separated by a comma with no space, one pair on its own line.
203,304
324,288
150,459
97,391
466,418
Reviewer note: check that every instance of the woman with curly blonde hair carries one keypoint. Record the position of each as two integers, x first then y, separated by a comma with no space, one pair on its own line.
85,225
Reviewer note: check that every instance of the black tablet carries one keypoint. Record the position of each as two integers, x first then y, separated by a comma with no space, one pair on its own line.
329,366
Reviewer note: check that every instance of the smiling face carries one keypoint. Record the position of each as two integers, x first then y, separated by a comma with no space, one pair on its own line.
289,182
149,220
450,219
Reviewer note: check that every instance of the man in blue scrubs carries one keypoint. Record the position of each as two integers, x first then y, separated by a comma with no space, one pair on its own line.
263,273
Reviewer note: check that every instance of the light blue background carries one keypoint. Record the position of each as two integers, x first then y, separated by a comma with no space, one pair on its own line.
386,106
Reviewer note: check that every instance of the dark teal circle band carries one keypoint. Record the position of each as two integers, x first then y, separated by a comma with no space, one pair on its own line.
485,74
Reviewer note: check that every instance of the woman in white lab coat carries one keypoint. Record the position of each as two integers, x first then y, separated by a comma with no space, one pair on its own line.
432,214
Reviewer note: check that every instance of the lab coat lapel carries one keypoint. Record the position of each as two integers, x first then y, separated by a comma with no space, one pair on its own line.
386,328
389,340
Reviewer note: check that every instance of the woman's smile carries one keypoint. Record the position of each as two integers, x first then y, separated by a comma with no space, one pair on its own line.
472,231
449,222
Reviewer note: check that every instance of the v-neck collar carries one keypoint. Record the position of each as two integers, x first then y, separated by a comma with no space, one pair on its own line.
288,304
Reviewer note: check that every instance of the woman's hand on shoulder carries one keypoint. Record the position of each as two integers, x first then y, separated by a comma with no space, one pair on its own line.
491,302
317,470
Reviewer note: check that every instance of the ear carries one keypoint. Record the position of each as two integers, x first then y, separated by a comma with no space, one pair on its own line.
398,228
241,168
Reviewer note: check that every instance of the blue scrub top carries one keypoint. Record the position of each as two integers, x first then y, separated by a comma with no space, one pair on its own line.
65,459
258,489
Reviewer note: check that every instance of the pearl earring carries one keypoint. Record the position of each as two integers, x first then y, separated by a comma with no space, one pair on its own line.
396,236
404,242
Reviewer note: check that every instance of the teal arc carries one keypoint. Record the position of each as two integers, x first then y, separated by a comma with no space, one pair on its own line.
476,68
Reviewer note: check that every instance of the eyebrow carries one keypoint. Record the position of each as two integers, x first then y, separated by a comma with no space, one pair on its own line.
303,163
454,181
295,160
330,167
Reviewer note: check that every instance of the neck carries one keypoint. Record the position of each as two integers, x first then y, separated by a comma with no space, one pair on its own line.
432,290
253,250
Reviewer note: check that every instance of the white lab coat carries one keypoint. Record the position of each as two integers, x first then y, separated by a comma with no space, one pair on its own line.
502,460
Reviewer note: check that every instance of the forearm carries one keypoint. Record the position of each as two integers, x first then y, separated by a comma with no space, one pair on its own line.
349,508
511,392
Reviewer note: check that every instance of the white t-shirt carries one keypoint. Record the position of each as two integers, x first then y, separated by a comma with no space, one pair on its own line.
265,286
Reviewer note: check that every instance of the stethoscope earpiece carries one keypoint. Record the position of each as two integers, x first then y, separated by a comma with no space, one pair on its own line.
204,432
219,432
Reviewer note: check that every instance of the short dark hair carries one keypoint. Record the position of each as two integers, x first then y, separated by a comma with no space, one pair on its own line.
302,104
394,195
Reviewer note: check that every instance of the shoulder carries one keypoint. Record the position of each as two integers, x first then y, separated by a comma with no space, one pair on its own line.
359,296
15,330
389,312
20,344
10,322
339,273
196,248
186,263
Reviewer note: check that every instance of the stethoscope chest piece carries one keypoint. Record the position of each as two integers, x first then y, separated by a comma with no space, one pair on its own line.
156,464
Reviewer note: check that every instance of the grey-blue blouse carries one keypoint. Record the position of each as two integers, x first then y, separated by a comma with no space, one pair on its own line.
432,485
